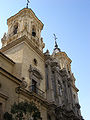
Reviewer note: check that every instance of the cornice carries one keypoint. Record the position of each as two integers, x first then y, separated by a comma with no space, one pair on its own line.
8,59
34,96
2,95
24,10
20,40
65,55
10,76
77,90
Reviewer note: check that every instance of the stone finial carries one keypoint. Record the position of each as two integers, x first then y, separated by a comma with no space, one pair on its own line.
47,53
3,40
24,83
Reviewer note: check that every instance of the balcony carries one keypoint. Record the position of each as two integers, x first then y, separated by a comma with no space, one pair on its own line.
37,91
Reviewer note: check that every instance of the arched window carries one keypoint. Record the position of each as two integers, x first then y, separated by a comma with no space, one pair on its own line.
33,31
15,29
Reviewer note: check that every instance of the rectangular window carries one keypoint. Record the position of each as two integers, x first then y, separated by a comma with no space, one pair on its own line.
34,86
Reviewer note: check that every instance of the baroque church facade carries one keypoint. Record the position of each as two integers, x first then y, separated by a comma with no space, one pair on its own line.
28,74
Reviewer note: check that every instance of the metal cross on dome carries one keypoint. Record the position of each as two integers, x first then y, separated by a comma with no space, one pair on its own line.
28,1
55,37
55,40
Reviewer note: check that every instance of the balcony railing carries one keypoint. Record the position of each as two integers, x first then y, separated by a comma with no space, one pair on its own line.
36,90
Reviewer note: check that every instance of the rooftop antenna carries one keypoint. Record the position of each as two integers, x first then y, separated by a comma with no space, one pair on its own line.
28,1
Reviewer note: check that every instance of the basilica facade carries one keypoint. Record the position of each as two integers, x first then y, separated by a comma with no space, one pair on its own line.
29,74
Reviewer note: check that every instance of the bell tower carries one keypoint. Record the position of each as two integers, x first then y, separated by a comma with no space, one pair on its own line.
24,23
67,83
24,45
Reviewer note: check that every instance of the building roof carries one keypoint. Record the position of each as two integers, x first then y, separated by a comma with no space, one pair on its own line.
25,10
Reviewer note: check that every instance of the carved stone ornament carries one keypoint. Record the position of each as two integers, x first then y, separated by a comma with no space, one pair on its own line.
24,83
64,73
47,53
4,39
48,62
34,71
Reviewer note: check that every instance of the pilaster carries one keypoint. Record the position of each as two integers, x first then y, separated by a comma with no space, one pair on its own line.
50,91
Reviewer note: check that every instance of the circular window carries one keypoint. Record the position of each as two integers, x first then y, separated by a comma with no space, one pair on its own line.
35,62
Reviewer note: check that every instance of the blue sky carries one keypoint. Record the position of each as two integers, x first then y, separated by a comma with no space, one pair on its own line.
70,21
